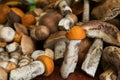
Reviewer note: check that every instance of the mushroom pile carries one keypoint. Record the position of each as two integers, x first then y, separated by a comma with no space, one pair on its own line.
31,41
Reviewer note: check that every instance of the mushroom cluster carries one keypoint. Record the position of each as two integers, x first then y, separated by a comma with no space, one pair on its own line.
32,41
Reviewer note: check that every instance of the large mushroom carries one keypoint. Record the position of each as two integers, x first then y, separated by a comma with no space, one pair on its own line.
99,29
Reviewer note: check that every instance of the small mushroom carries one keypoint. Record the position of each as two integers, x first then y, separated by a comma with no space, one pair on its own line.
67,22
7,34
27,45
51,19
3,74
12,47
108,74
25,60
64,7
99,29
20,28
40,32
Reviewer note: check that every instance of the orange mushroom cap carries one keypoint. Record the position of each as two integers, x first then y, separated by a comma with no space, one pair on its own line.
76,33
49,64
18,11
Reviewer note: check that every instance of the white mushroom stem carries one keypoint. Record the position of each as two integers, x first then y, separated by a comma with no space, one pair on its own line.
60,48
108,75
92,60
28,72
70,59
86,11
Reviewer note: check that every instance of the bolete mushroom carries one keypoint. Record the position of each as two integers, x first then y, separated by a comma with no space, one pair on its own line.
74,35
111,56
99,29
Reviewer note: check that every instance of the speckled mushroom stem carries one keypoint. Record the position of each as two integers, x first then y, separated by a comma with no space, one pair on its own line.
86,11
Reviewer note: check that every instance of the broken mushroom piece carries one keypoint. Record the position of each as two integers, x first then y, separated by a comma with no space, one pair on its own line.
111,55
57,41
75,35
7,34
90,64
27,45
99,29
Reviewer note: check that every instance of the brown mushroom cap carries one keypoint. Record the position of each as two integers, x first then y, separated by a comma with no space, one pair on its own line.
53,38
51,20
99,29
41,32
103,26
20,28
27,45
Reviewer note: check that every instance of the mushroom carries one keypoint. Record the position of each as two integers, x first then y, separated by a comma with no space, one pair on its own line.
40,32
3,74
108,74
92,59
111,10
20,28
4,10
64,7
111,56
99,29
28,72
75,35
67,22
12,47
57,41
24,60
27,45
51,19
7,34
